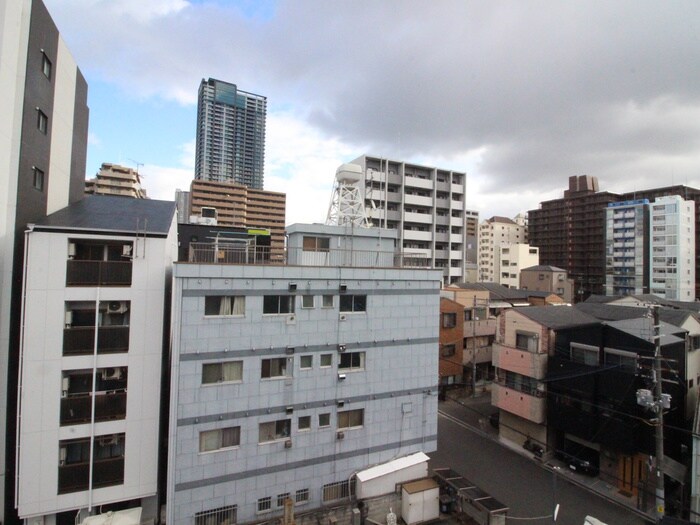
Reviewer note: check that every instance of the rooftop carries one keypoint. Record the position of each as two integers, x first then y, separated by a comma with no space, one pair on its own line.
556,317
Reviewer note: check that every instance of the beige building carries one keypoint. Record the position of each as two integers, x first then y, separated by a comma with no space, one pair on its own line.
113,179
494,233
511,259
238,205
544,278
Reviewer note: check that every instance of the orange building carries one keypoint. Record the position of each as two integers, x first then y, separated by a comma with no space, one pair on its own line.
451,341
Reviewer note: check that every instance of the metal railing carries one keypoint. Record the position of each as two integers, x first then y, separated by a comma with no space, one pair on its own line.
98,273
75,477
77,408
80,340
222,253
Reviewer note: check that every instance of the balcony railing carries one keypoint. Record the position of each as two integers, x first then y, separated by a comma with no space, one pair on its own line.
98,273
220,253
76,409
531,406
105,472
80,340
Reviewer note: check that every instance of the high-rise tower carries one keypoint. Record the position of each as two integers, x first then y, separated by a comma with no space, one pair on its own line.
230,134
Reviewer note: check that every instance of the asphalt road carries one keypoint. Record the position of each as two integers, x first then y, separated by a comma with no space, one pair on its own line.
528,489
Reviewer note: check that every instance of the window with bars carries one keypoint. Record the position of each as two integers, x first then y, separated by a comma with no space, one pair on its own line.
301,496
281,498
220,516
338,490
265,504
213,373
220,438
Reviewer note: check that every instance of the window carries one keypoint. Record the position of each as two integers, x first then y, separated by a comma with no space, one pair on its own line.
353,303
42,121
265,504
278,304
328,301
625,360
276,367
449,320
525,341
38,179
301,496
316,244
351,418
304,422
307,301
45,65
281,498
326,360
306,362
274,430
447,350
210,440
352,361
338,490
222,372
324,420
585,354
221,516
224,305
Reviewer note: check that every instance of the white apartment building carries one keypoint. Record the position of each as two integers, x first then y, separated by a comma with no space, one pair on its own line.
91,354
289,379
627,248
425,205
494,233
673,248
512,258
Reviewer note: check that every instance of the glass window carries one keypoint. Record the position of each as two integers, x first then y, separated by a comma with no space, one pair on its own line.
449,320
306,362
326,360
324,420
584,354
525,341
316,244
274,430
352,361
265,504
304,422
328,301
210,440
307,301
278,304
45,65
281,498
42,121
276,367
302,496
222,372
447,350
351,418
38,179
353,303
224,305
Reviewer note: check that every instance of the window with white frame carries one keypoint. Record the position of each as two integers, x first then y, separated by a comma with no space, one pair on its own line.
353,303
278,304
281,498
326,360
306,362
324,420
274,430
213,373
304,423
301,496
526,341
620,358
275,367
338,490
265,504
328,301
220,438
225,305
351,418
307,301
584,354
350,361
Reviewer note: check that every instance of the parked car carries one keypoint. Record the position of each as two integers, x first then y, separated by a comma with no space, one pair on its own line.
582,462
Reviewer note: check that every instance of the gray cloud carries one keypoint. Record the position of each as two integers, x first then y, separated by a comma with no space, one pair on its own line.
546,89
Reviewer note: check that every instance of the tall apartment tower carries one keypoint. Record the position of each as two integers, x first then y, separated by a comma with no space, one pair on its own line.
493,234
427,207
43,142
230,134
627,248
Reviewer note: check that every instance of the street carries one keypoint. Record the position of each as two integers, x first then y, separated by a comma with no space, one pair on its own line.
530,490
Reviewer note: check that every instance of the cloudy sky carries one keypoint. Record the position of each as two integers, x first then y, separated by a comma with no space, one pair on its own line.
520,95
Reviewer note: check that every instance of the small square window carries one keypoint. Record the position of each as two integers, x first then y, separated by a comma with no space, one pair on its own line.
305,423
324,420
306,362
38,179
45,65
265,504
42,121
326,360
328,301
307,301
281,498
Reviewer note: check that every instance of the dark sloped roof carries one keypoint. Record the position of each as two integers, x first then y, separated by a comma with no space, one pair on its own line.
600,299
611,312
643,329
543,268
503,293
556,317
103,213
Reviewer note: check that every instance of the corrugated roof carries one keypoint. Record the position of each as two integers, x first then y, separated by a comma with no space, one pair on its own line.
556,317
392,466
104,213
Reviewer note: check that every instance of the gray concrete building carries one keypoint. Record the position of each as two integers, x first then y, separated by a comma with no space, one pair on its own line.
43,142
230,143
288,379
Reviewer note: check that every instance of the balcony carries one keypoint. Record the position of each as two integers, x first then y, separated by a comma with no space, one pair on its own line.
417,182
421,218
418,200
76,477
98,273
416,235
528,406
480,328
80,340
77,408
521,362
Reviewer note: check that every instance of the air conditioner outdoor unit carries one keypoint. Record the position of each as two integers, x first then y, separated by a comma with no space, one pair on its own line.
288,443
340,434
111,373
117,307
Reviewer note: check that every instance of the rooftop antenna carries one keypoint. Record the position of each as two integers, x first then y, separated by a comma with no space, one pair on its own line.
138,175
347,206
